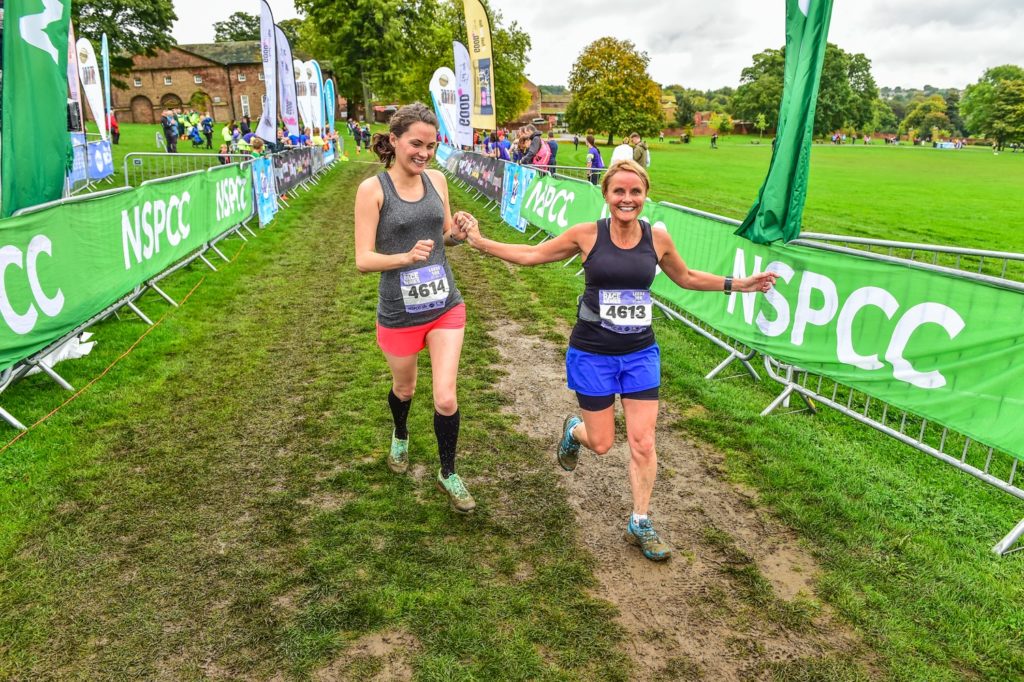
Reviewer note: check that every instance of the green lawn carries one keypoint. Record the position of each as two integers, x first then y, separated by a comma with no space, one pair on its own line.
969,198
215,506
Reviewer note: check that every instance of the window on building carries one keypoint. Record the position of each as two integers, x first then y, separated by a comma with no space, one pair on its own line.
216,100
167,80
244,99
198,79
262,76
138,82
241,77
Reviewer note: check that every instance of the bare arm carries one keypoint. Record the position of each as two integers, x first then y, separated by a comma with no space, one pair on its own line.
453,234
672,265
368,201
561,247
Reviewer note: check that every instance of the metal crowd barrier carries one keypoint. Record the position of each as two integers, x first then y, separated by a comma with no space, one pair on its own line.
142,166
998,268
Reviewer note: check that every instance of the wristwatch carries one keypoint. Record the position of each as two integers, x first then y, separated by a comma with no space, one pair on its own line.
728,286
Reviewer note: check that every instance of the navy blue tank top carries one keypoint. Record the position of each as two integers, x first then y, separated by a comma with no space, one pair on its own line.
614,318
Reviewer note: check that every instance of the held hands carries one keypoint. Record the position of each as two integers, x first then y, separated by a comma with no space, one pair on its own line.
761,282
467,225
420,252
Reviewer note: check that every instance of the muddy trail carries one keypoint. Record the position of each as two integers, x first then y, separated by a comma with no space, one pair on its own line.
737,601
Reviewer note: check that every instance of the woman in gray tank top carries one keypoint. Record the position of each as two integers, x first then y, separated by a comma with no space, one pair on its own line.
403,222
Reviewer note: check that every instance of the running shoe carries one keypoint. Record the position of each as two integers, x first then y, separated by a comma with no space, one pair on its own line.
398,458
569,448
646,538
458,497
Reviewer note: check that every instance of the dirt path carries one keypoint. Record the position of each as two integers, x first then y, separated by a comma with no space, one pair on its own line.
737,601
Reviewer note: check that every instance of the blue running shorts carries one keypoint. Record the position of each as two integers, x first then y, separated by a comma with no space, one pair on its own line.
590,374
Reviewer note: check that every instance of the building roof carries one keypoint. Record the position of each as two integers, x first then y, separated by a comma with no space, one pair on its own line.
235,52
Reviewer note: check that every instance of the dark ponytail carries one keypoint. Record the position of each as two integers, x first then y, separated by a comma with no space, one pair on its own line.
400,123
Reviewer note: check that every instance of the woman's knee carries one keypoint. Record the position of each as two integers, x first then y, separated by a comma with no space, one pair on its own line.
446,403
404,391
601,445
641,446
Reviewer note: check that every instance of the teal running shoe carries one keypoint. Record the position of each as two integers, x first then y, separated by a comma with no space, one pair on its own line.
646,538
459,498
398,458
568,453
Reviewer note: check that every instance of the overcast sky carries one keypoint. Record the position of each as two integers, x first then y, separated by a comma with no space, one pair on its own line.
945,43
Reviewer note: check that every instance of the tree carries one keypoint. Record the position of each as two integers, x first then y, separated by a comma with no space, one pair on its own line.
723,123
927,114
883,118
368,43
291,28
133,27
239,26
985,104
952,98
846,94
612,91
761,122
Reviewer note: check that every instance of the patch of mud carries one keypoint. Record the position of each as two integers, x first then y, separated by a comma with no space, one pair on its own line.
377,657
693,608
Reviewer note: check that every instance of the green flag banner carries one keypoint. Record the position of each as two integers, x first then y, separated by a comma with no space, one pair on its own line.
940,346
779,208
36,144
62,265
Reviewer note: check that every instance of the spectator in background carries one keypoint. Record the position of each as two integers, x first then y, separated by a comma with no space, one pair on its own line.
504,147
304,137
714,140
622,152
553,146
257,146
170,127
594,161
224,156
366,136
357,135
576,142
317,141
226,133
640,152
207,124
246,125
113,127
535,142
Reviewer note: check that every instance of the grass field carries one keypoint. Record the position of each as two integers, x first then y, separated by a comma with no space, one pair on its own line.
214,506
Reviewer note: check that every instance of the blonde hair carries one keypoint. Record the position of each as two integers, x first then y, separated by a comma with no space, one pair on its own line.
626,166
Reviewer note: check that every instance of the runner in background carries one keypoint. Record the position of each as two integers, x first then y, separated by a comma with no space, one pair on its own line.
402,223
612,350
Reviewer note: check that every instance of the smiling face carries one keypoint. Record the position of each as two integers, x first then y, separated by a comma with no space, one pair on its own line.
625,195
415,147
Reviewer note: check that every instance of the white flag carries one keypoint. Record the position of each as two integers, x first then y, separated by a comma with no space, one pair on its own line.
446,106
464,92
302,94
286,78
89,73
267,128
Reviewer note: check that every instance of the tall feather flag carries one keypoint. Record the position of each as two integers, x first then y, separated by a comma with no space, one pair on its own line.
779,208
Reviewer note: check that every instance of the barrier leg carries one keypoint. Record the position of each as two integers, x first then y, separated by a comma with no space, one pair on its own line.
217,251
784,399
10,419
246,226
566,264
48,371
733,357
208,263
163,294
238,231
135,309
1002,548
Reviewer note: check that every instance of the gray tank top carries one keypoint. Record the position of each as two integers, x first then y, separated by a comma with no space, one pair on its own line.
422,292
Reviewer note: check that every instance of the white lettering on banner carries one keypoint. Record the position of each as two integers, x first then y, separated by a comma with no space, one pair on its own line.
809,312
921,314
777,301
230,197
23,323
863,297
739,271
140,237
544,202
465,107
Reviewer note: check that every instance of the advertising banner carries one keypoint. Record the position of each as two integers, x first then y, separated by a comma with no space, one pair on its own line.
443,94
316,156
265,189
312,94
105,56
79,171
319,107
76,119
286,80
100,160
35,124
267,127
330,100
936,345
443,153
483,173
292,168
89,75
302,95
66,263
464,96
478,34
779,208
517,179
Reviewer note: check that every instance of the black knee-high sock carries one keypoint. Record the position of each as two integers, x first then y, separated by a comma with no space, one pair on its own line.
400,413
447,431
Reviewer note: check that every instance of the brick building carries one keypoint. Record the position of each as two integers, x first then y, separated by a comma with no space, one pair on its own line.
225,79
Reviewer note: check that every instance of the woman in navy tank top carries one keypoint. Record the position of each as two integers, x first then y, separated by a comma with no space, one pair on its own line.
612,350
